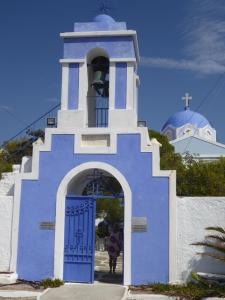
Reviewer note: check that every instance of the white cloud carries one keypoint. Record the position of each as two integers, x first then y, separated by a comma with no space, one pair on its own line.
204,39
5,107
203,67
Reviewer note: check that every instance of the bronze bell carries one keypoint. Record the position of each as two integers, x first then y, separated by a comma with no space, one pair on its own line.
101,69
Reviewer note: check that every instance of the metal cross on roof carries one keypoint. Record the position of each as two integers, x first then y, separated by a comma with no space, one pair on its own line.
187,99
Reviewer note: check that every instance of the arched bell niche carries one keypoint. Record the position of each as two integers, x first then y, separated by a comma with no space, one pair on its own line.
98,88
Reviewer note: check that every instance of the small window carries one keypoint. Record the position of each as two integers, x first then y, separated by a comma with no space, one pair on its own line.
187,131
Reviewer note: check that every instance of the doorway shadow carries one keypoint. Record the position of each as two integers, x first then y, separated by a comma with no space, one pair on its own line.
102,273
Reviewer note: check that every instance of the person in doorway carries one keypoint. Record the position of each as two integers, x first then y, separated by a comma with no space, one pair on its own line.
114,247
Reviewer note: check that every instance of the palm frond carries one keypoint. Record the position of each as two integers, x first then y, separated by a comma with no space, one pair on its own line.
220,238
215,246
217,229
217,257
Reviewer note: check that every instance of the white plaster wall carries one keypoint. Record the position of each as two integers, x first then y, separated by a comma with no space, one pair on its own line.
26,165
6,204
194,214
7,184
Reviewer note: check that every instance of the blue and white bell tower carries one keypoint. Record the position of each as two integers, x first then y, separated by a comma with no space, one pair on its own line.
117,49
97,129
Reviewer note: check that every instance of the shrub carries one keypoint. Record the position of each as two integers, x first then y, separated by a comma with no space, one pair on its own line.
48,282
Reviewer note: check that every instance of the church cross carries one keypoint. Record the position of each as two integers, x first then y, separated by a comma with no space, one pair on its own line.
187,99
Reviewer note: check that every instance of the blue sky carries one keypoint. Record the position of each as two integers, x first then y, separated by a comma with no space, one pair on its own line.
182,47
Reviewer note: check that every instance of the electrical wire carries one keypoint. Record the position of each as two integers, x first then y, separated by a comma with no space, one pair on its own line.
12,115
30,125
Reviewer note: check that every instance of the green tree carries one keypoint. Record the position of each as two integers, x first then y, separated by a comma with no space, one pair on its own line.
112,208
169,160
202,179
5,166
13,151
194,178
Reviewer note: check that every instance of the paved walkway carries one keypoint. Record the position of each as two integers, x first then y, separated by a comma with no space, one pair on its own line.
102,268
85,292
102,262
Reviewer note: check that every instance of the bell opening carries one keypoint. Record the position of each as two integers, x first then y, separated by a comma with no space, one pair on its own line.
98,92
100,83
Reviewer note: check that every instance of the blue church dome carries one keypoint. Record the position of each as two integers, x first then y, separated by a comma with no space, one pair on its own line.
186,116
103,18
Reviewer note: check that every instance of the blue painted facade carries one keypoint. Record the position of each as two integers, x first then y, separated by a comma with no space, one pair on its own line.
149,251
121,85
150,195
73,90
115,46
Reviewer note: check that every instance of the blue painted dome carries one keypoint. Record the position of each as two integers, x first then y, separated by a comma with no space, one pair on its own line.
186,116
104,18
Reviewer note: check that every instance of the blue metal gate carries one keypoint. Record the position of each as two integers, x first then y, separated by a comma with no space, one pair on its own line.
79,239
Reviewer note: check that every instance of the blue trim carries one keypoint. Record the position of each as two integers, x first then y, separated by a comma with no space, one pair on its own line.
73,91
115,46
121,85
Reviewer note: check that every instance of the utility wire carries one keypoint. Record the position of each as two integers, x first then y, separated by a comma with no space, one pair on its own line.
12,115
210,91
30,125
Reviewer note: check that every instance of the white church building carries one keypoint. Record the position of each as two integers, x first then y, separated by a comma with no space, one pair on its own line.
190,132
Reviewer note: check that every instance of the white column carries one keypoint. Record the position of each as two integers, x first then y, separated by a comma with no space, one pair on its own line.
83,88
65,86
112,83
130,86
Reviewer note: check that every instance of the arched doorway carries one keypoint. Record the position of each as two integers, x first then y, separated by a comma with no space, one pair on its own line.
75,183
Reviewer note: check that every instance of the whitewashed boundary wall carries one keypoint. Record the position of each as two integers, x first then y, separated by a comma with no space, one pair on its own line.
6,204
194,214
